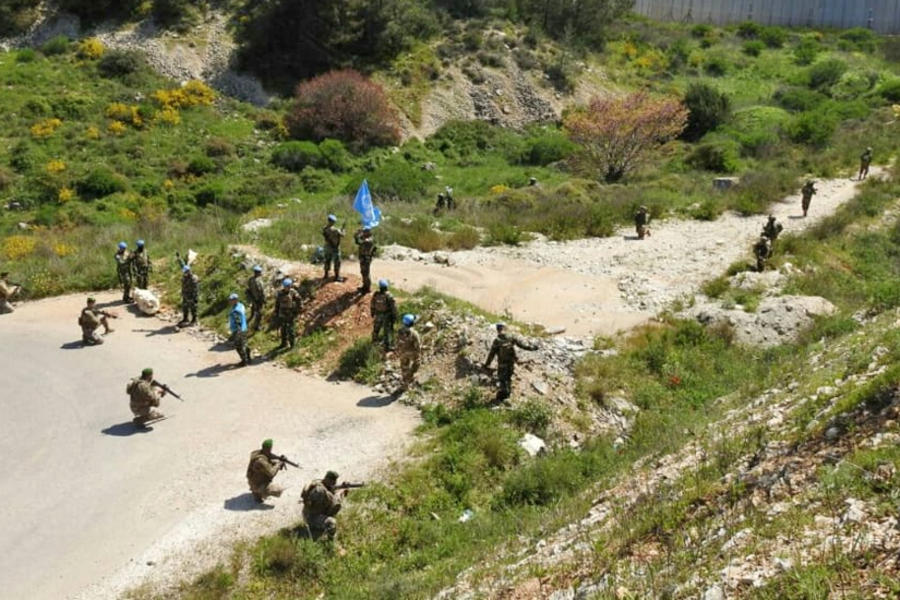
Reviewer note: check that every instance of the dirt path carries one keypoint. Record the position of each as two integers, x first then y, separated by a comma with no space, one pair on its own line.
602,285
91,507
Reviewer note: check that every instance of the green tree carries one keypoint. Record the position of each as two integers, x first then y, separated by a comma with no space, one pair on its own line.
707,109
584,20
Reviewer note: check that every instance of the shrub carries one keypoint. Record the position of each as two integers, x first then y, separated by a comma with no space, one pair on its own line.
37,107
753,47
289,557
758,189
201,165
798,99
548,147
26,55
826,73
490,59
721,157
806,51
334,155
533,416
562,74
890,90
707,109
90,48
860,38
95,10
211,193
525,59
17,15
219,146
6,179
316,180
267,120
56,45
716,65
749,30
346,106
701,31
814,127
853,84
119,63
172,12
773,37
101,182
399,180
361,362
295,156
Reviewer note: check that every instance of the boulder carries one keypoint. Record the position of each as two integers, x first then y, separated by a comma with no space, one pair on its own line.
532,444
146,301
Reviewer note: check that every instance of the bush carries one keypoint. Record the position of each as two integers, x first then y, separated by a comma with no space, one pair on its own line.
825,74
316,180
334,155
361,362
548,147
346,106
890,90
749,30
806,51
173,12
533,415
90,48
296,156
211,193
814,127
716,65
798,99
101,182
525,59
708,108
398,180
26,55
860,38
753,47
562,74
201,165
773,37
758,189
701,31
721,157
289,557
219,146
118,63
853,84
56,45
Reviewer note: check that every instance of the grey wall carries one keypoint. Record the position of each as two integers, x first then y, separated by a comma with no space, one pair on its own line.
881,15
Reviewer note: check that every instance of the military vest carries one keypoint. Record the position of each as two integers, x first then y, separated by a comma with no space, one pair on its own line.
332,236
381,302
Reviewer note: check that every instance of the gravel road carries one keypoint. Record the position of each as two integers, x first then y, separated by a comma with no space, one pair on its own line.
90,507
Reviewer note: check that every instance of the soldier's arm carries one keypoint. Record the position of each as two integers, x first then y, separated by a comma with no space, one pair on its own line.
393,304
491,354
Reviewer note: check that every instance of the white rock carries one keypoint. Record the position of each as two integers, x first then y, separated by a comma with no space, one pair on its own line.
146,301
256,225
566,594
540,387
532,444
714,593
783,564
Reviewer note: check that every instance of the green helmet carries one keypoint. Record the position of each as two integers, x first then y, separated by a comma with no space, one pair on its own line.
331,475
147,372
267,444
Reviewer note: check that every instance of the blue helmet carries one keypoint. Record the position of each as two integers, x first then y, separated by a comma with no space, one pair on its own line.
383,284
185,268
332,219
288,282
140,243
122,245
408,320
500,326
233,296
257,269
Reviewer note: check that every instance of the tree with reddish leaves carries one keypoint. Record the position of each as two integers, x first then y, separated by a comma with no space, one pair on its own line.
346,106
617,132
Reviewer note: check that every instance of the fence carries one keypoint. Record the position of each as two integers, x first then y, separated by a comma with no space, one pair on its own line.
882,16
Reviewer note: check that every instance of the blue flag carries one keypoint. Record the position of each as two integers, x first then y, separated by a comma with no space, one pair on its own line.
369,213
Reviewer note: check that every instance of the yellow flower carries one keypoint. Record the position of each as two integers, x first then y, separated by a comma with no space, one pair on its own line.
117,111
127,214
168,184
62,249
169,116
192,93
45,128
499,189
18,246
117,127
65,194
896,109
90,48
55,166
93,133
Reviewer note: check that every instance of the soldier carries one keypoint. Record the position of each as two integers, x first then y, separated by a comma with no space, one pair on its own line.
641,221
287,306
409,347
865,159
144,399
504,348
762,250
808,191
124,270
333,237
237,323
448,195
321,504
7,292
256,292
384,315
772,229
190,292
142,266
439,204
261,470
91,319
532,182
366,243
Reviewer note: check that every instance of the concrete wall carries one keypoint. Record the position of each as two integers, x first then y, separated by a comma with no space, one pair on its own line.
882,16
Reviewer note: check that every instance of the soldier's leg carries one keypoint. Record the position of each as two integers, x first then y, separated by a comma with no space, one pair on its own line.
193,307
126,290
504,375
292,332
389,335
405,374
365,268
337,264
255,316
376,328
5,307
184,310
327,262
272,490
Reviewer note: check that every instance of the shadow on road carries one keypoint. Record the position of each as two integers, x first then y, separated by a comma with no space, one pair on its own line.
245,502
73,345
376,401
221,347
795,217
165,330
631,238
125,429
213,371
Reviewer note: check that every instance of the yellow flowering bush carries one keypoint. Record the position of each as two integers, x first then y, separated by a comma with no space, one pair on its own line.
93,133
45,128
192,93
65,194
127,214
55,166
168,184
168,116
124,113
61,249
90,48
499,189
117,127
630,49
896,109
18,246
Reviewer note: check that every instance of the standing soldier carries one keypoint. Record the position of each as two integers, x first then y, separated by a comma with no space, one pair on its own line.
90,320
641,221
504,348
333,237
409,347
366,243
142,266
762,250
772,229
808,191
439,204
123,270
532,182
384,315
7,292
865,159
287,306
321,504
263,468
144,399
256,292
451,201
190,292
237,323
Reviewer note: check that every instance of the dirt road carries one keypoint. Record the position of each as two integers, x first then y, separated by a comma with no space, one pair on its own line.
91,507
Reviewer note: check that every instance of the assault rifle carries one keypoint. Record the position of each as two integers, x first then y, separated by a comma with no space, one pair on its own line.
166,389
349,486
284,459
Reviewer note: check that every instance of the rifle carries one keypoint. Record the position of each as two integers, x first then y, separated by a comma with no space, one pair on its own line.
166,389
284,459
349,486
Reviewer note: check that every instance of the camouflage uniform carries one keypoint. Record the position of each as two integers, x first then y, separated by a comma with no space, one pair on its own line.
865,159
384,315
762,250
808,191
142,267
260,472
124,271
90,320
7,291
237,323
144,400
367,249
190,293
772,229
641,220
504,348
257,294
287,307
409,347
333,237
320,506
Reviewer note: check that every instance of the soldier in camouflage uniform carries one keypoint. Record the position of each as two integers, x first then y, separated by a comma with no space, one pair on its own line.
384,315
333,237
144,399
762,250
772,229
261,470
7,292
287,307
808,191
366,243
124,270
256,292
641,220
321,504
142,266
190,294
865,159
504,348
409,347
90,320
237,323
